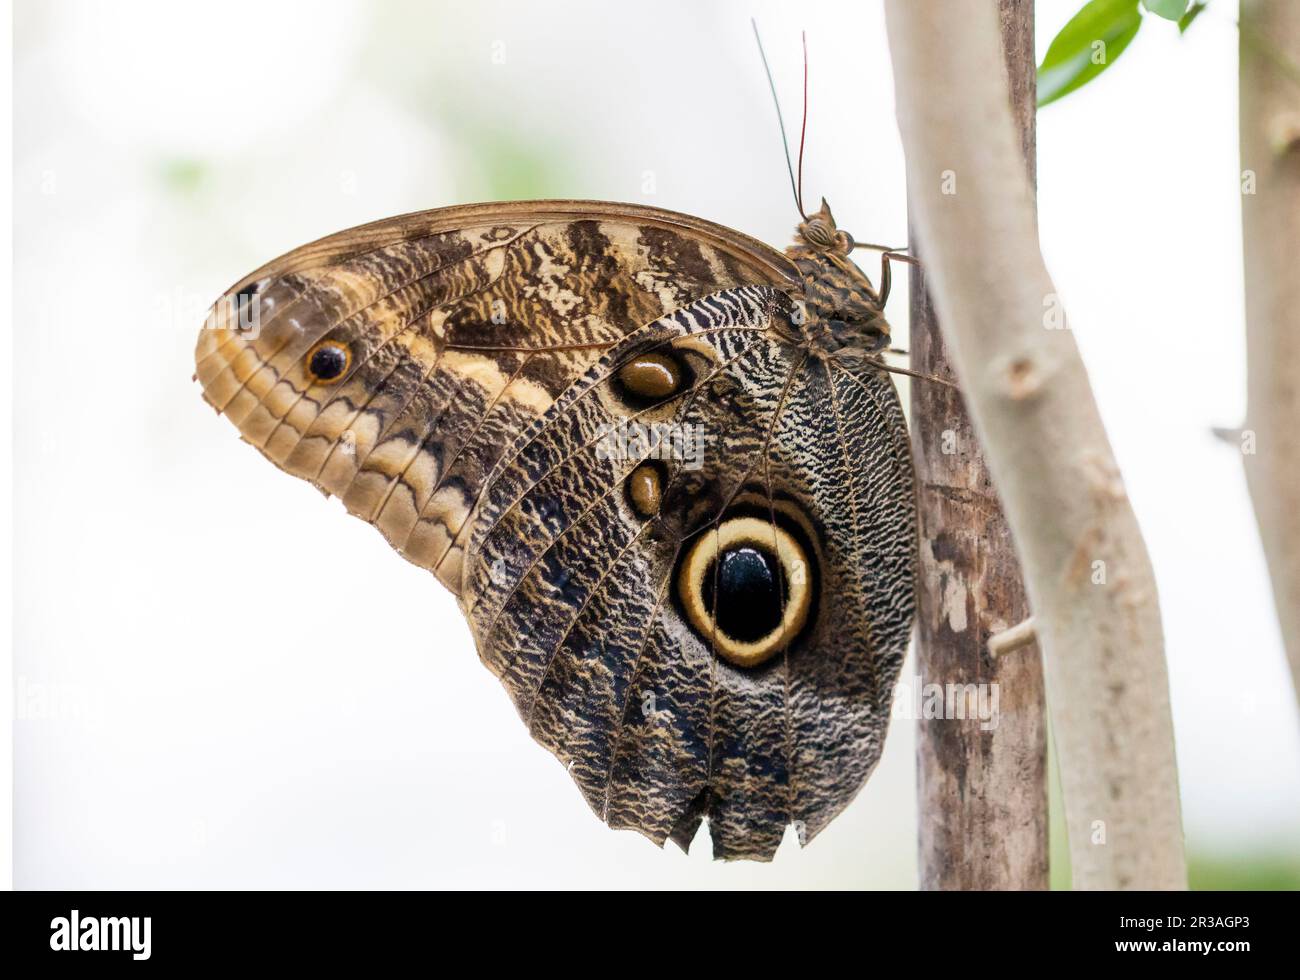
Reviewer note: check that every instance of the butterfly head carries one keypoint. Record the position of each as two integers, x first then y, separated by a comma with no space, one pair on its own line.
819,232
844,314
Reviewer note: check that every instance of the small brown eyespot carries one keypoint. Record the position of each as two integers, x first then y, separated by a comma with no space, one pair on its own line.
328,361
652,376
645,487
746,589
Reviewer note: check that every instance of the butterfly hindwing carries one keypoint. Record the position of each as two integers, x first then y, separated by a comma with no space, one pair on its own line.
576,597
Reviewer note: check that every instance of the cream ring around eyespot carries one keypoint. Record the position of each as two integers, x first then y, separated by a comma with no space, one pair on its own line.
762,535
340,356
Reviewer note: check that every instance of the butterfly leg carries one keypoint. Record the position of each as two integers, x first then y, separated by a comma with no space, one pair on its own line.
897,254
885,259
895,369
888,254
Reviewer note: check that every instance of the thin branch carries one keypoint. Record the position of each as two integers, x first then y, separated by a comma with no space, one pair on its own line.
981,781
1015,638
1090,581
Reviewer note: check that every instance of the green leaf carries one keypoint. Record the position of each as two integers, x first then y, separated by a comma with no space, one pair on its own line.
1185,21
1168,9
1087,46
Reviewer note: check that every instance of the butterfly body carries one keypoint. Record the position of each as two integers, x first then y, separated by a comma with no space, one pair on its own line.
653,460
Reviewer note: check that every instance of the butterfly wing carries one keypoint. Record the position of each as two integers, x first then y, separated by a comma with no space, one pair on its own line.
581,597
454,377
392,364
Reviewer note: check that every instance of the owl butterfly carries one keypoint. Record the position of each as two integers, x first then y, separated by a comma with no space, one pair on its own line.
658,462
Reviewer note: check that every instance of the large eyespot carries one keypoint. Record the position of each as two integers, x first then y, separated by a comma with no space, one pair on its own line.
747,589
327,361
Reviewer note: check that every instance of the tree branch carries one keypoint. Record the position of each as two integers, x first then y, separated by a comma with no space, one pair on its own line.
981,788
1012,639
1090,581
1270,212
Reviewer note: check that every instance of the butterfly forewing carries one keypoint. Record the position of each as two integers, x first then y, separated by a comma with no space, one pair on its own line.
458,326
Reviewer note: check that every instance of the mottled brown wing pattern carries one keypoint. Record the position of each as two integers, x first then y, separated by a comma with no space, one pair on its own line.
570,591
454,328
712,632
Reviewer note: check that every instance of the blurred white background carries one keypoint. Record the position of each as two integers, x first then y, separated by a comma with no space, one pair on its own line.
206,698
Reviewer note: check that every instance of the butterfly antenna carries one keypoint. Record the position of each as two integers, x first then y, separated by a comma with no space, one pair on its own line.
794,187
803,127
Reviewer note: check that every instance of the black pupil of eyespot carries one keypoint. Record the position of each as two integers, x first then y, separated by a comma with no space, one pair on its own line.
328,362
749,591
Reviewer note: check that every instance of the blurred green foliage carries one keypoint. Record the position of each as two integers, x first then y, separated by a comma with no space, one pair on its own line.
507,169
182,175
1248,870
1168,9
1245,872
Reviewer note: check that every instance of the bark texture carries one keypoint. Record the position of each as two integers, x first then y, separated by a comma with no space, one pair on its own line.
1270,210
982,793
1086,567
